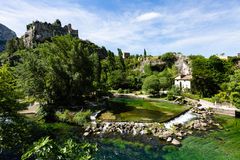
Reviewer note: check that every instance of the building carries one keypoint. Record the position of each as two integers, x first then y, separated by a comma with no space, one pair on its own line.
126,55
183,81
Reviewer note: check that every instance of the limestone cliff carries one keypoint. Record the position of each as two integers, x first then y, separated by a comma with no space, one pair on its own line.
5,35
38,32
183,65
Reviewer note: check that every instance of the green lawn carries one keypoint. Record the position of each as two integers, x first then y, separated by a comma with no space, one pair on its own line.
129,109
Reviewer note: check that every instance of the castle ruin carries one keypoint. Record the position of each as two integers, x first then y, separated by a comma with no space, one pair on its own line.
38,32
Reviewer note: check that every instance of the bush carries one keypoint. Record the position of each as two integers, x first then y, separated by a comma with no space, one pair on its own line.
64,117
192,96
126,91
151,85
174,91
81,117
78,118
170,96
120,90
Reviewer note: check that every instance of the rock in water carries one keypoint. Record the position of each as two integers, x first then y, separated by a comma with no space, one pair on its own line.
175,142
5,35
169,139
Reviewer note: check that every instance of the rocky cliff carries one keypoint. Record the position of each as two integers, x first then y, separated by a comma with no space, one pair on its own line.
38,32
183,65
5,35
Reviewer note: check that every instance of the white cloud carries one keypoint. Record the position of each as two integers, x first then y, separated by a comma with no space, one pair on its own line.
189,30
148,16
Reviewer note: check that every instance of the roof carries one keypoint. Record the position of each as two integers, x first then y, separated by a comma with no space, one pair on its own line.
184,77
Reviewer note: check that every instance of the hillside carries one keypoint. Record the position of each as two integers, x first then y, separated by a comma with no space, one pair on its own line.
5,35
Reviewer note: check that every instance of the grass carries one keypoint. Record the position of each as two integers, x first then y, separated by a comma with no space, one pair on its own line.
129,109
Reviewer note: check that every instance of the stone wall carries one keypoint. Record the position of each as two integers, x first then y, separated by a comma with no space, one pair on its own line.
38,32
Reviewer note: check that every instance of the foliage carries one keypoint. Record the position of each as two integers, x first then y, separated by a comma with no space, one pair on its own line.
120,90
8,94
46,148
169,58
173,92
151,85
147,69
116,79
166,77
214,71
81,117
230,90
15,136
59,73
145,54
63,117
121,60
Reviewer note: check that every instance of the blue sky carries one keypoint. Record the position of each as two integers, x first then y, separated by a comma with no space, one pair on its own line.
188,26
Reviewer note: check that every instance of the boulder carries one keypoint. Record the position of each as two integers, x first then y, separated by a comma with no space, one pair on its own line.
175,142
86,134
169,139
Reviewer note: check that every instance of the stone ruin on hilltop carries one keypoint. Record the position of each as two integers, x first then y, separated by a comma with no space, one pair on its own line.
38,32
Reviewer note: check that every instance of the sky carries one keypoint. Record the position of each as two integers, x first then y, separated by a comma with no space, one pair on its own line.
189,26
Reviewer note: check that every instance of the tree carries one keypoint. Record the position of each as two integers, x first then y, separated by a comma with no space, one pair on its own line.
169,58
116,79
151,85
166,77
145,54
121,60
209,74
8,95
59,74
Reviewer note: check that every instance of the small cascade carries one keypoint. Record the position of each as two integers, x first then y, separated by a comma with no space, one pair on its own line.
189,115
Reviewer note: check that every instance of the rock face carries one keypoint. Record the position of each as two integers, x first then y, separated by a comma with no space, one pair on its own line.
182,64
5,35
38,32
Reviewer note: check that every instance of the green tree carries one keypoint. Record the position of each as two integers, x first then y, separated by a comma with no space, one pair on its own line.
9,104
116,79
145,54
59,74
121,60
169,58
151,85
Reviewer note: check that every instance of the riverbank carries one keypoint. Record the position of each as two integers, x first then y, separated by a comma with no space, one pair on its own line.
173,134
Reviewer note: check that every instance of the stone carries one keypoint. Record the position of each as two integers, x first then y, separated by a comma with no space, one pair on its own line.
86,134
169,139
39,32
94,124
175,142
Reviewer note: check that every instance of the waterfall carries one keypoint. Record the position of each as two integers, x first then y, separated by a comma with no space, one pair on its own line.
189,115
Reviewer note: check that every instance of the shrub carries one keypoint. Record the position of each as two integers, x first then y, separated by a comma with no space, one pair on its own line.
120,90
151,85
126,91
170,96
64,117
81,117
